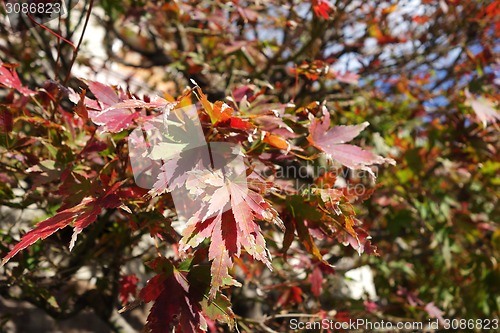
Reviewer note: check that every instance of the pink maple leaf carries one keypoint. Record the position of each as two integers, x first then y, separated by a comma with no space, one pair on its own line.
483,108
333,143
228,218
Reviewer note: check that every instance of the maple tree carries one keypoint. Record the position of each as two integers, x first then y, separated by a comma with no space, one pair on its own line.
365,130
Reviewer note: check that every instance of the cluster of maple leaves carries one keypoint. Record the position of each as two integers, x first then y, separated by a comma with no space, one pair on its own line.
233,215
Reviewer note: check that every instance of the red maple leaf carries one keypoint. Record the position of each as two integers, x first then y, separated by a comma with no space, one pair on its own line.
420,19
81,215
359,240
316,279
292,295
174,306
322,8
332,142
6,120
9,79
221,114
128,287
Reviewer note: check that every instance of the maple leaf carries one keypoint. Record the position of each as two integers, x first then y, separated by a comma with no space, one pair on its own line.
275,130
276,141
420,19
483,108
316,279
81,215
361,241
389,9
9,79
80,108
109,119
433,311
165,147
382,37
322,8
332,142
346,77
43,230
302,212
217,202
113,112
214,115
312,71
219,310
292,295
174,306
156,102
238,123
220,113
128,287
6,120
228,218
248,15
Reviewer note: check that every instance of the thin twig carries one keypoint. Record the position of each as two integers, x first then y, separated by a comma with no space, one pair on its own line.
75,53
